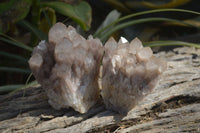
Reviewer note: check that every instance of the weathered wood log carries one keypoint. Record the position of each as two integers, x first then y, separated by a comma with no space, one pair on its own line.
173,106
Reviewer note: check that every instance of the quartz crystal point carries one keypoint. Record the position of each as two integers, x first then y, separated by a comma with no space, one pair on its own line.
67,67
130,72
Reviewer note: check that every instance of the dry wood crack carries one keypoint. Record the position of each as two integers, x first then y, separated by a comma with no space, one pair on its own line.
173,103
173,106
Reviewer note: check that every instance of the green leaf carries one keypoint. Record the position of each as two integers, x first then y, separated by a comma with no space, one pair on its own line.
13,11
111,17
80,13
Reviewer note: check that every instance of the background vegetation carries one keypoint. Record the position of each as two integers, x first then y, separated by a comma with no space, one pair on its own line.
23,23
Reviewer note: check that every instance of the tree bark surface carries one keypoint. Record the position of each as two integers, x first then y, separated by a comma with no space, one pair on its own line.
173,106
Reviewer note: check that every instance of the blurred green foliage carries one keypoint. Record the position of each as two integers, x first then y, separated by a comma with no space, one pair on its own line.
13,11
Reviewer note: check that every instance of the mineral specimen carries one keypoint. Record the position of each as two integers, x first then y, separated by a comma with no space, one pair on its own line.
130,72
67,67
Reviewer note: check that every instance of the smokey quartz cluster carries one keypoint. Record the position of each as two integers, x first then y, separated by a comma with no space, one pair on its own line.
67,67
130,72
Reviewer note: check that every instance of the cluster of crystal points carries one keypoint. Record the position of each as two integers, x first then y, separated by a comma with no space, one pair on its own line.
68,67
130,72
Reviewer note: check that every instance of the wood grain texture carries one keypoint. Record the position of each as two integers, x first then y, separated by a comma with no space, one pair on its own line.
173,106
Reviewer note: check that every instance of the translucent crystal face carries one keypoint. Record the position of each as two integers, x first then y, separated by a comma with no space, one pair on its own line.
130,72
67,68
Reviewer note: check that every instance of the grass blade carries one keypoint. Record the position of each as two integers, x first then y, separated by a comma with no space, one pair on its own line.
13,69
9,88
138,21
47,17
14,88
36,31
170,43
13,56
14,42
31,84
